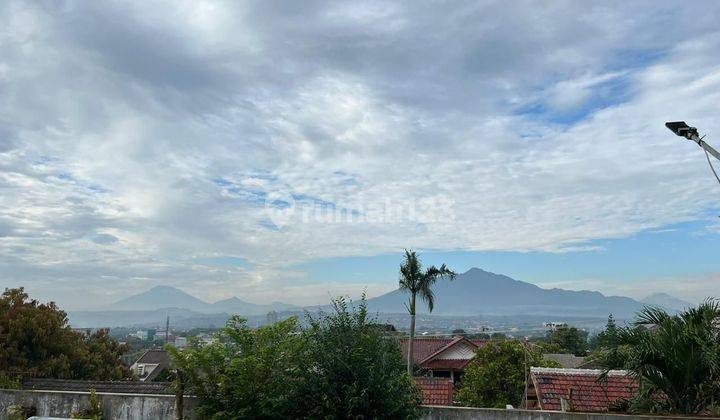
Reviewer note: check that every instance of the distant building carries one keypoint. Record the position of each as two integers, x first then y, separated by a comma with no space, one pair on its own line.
578,389
180,342
140,335
151,364
556,325
271,318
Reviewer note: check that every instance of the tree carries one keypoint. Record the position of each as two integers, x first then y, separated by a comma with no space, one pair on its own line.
675,358
607,338
245,373
569,339
497,374
36,341
418,282
354,369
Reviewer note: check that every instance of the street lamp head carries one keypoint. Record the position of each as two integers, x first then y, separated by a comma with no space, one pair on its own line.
681,129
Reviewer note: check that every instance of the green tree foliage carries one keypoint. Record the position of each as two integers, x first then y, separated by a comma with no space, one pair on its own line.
607,338
341,366
419,282
246,373
36,341
676,359
354,370
568,339
497,374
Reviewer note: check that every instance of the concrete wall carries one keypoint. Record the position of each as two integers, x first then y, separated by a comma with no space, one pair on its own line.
115,406
462,413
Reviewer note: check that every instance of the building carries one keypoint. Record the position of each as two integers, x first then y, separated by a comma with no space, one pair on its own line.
151,364
581,390
180,342
442,357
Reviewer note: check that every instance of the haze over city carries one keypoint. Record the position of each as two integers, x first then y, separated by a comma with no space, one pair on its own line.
292,152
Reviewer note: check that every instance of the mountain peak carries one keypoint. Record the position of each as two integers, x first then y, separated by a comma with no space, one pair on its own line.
478,292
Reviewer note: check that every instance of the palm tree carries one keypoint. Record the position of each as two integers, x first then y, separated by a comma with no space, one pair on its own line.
675,358
418,282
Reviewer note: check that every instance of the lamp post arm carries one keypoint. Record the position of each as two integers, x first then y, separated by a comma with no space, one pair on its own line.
706,147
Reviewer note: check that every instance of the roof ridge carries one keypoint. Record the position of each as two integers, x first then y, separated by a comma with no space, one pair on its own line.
575,371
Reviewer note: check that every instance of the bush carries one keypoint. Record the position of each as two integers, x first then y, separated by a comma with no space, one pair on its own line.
245,373
341,366
354,370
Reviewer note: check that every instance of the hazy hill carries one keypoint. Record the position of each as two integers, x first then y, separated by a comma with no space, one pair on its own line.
477,292
666,301
171,297
160,297
236,305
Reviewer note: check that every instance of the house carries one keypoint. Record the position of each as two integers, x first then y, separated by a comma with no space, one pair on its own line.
442,357
436,391
151,364
581,390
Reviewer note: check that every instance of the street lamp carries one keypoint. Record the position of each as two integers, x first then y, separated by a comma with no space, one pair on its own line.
681,129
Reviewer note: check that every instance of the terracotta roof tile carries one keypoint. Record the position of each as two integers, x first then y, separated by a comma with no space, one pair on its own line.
425,347
436,391
588,394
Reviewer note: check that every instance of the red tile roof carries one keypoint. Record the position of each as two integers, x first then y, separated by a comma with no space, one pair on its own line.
588,394
436,391
423,348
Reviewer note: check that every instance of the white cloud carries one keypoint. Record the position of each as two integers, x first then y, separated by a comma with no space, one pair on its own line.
136,138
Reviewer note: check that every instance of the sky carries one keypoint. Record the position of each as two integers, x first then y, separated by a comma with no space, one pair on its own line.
290,151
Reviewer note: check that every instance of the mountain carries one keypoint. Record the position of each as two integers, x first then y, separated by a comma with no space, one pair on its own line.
478,292
169,297
238,306
666,301
161,297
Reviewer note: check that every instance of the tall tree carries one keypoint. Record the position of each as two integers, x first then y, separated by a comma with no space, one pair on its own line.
36,341
419,283
569,339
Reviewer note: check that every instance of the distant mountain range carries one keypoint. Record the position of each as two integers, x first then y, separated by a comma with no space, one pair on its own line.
478,292
475,292
171,297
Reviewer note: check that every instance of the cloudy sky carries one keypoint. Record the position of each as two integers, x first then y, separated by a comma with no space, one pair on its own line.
291,150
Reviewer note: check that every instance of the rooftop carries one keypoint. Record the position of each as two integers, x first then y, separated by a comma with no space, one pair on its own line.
581,388
436,391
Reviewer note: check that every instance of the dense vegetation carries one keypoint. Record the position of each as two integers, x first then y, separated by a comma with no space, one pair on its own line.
498,373
676,359
36,341
341,366
564,340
